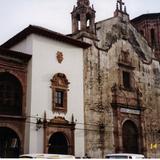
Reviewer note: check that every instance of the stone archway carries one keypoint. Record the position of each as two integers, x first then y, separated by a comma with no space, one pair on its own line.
130,137
58,144
9,143
11,94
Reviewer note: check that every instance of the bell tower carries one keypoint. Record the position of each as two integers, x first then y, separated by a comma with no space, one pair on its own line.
83,17
121,10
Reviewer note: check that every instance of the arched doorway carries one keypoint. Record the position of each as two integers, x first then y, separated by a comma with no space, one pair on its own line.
58,144
130,137
9,143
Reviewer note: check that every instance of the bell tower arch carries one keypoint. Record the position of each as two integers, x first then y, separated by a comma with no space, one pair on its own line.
83,17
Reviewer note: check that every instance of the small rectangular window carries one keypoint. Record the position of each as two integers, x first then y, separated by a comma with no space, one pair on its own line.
126,80
59,85
59,97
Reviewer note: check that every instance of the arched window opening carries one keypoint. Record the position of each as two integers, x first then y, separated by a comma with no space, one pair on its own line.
9,143
141,32
88,18
79,25
130,137
58,144
78,22
153,40
88,23
10,95
59,85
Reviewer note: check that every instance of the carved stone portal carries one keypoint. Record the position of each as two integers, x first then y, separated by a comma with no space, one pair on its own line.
59,126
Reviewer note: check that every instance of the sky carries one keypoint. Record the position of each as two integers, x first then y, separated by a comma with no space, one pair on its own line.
15,15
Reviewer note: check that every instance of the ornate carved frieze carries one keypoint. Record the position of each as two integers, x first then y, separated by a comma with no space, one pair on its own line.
60,120
59,80
122,97
125,59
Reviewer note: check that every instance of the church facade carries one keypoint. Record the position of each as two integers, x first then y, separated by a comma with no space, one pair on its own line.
121,76
93,92
52,113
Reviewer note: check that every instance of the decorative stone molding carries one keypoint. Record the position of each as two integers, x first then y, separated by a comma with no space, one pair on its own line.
59,125
60,120
59,83
125,59
59,57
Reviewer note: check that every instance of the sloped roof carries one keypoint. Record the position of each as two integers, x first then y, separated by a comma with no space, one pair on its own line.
115,29
23,57
146,16
43,32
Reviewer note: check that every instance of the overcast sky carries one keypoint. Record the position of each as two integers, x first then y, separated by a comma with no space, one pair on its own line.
15,15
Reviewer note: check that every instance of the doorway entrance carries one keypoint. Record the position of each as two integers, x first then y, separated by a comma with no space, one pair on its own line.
58,144
9,143
130,137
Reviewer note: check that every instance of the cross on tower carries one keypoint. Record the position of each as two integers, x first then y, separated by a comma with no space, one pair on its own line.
120,4
83,2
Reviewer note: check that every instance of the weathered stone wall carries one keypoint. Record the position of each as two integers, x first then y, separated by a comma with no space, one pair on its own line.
97,108
102,71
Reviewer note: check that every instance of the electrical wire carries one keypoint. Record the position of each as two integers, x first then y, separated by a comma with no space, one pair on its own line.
86,124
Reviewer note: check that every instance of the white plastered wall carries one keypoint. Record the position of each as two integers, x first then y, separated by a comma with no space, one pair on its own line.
42,67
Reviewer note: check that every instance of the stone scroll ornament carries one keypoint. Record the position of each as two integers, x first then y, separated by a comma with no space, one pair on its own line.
59,57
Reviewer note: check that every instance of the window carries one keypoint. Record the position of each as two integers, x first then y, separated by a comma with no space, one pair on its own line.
153,37
126,80
78,22
126,68
141,32
59,98
59,85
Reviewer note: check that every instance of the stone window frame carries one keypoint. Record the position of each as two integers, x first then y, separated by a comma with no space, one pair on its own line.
59,82
126,79
125,65
131,78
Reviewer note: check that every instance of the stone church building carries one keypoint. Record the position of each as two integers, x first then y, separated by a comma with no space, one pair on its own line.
92,92
148,26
